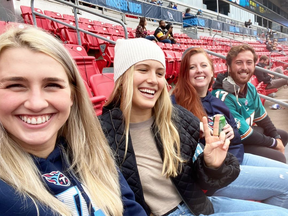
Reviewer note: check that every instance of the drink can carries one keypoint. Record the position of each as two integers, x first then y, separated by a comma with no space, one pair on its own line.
222,121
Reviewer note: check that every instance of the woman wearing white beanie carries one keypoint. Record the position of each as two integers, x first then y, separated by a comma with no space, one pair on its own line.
156,144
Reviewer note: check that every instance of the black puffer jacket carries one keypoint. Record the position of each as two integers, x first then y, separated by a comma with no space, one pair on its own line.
194,178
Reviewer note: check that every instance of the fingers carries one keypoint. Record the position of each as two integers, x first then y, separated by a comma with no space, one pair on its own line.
224,140
230,135
216,126
205,126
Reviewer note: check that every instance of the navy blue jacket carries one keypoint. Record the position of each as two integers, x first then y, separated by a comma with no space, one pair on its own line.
212,106
64,185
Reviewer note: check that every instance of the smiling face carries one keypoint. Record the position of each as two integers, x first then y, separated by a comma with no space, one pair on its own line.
148,83
200,73
242,68
35,99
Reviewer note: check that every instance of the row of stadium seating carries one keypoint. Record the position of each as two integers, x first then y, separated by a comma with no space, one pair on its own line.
91,67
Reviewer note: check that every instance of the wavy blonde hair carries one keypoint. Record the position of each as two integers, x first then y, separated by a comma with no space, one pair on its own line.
88,149
163,110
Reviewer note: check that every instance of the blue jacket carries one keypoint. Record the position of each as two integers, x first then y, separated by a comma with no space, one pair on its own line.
64,185
212,106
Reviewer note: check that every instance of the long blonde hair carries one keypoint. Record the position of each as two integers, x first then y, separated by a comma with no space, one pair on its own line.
88,149
163,110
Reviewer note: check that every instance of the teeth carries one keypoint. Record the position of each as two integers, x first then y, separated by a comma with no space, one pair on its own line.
35,120
198,78
148,91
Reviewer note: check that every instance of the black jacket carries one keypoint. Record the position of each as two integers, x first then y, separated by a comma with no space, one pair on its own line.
261,76
194,178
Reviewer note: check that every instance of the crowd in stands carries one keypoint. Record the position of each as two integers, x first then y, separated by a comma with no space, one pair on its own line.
248,23
206,148
187,13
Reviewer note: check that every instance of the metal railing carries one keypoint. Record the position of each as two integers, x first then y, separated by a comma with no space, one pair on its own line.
76,8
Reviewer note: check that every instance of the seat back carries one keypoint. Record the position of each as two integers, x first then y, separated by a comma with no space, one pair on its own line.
28,18
2,27
102,84
86,64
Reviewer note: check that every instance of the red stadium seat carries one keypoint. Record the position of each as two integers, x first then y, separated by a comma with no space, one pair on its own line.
69,17
86,64
170,68
178,59
102,84
97,101
28,18
54,26
101,30
86,21
2,27
261,87
69,35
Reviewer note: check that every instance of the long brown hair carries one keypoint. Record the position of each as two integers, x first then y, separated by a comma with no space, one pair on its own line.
185,93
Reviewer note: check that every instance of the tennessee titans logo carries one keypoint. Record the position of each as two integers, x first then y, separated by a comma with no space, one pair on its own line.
57,178
170,15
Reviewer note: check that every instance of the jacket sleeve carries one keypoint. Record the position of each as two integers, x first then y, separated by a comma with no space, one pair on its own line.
13,203
262,77
131,207
212,179
207,178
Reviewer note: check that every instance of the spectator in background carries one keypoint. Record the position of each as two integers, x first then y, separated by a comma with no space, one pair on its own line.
269,34
153,1
241,97
171,37
141,30
187,12
268,78
199,12
160,2
248,23
162,34
269,46
174,6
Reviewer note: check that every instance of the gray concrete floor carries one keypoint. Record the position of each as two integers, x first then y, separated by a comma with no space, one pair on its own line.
279,117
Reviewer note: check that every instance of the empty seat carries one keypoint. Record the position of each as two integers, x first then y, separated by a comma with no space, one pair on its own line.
86,64
97,101
170,61
41,22
55,26
2,27
102,84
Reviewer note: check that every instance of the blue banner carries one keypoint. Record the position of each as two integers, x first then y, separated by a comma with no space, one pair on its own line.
151,11
171,15
141,9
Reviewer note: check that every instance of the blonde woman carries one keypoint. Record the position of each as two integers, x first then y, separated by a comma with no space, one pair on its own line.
156,144
54,159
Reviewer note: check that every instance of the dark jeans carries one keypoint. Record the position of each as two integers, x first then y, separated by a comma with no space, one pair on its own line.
150,37
277,83
266,151
165,41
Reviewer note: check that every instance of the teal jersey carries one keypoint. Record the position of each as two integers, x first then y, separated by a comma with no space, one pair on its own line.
246,111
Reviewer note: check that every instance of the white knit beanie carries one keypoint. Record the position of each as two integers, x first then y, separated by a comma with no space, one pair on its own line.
131,51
